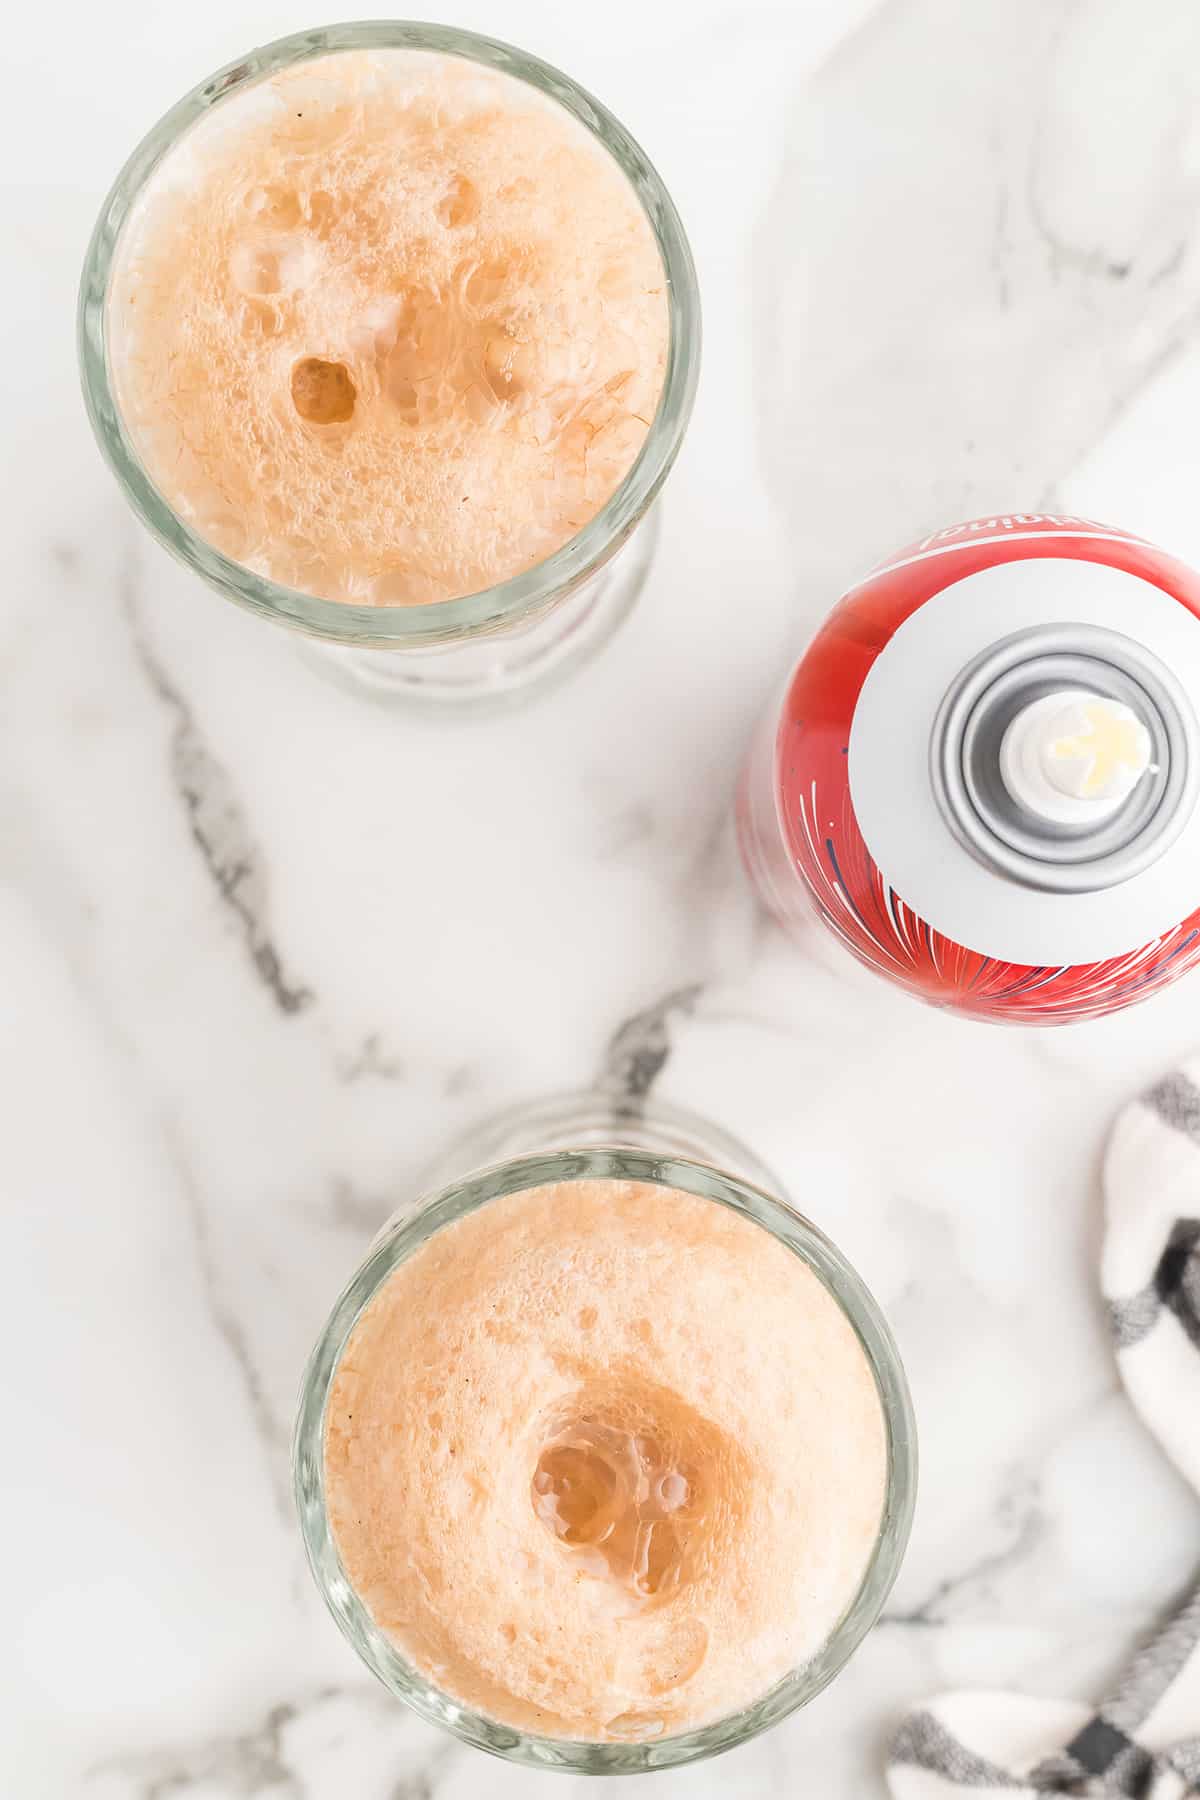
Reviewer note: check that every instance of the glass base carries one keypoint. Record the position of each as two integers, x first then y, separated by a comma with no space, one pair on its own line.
486,671
589,1120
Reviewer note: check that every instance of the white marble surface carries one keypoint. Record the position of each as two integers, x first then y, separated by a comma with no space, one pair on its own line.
262,950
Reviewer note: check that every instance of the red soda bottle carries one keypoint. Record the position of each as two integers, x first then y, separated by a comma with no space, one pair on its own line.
983,772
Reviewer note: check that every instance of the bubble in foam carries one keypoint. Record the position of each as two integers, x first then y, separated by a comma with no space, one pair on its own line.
673,1491
665,1657
616,1474
273,205
636,1726
272,265
323,392
509,364
459,205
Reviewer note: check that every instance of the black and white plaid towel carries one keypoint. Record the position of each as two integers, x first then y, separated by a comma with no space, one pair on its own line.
1144,1741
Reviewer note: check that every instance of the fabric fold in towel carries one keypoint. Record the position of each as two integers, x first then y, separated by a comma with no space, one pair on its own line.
1143,1742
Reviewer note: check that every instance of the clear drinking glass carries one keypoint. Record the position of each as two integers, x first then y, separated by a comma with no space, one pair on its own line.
589,1137
483,647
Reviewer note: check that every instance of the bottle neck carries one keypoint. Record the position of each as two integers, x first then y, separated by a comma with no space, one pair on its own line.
1064,758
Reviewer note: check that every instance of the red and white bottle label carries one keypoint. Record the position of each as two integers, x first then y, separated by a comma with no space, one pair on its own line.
839,826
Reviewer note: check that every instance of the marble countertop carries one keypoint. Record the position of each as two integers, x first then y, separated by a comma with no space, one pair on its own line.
264,949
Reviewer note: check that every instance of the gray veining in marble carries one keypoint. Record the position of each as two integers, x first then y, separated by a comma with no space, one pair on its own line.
264,953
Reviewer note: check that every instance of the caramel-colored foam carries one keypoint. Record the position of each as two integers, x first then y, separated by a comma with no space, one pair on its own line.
605,1460
389,328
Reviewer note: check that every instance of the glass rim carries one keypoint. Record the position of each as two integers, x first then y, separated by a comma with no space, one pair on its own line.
399,1240
507,603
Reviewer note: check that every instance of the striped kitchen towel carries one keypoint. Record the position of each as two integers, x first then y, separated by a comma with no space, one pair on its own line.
1143,1742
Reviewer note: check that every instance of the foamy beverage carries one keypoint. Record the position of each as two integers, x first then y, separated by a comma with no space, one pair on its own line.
606,1461
388,327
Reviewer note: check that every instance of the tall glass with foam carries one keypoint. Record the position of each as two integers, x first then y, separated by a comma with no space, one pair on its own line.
642,1479
349,372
